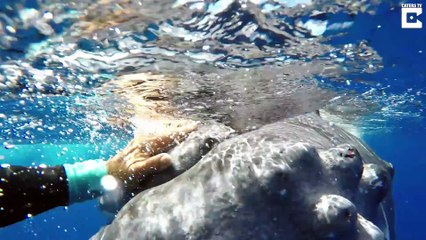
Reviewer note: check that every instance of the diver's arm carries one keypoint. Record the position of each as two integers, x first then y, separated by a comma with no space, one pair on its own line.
27,191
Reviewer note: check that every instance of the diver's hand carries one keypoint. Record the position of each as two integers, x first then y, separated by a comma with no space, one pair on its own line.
143,156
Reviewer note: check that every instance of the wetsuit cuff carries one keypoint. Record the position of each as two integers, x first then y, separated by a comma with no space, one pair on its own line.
84,179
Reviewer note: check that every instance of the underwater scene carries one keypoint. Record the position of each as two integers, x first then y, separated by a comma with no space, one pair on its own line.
216,119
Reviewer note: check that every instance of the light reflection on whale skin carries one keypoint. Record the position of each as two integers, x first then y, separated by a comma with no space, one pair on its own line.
300,178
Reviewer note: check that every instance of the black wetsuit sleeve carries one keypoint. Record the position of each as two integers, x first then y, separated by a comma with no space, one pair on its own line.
27,191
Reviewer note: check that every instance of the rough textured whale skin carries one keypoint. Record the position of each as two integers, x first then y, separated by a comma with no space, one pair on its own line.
301,178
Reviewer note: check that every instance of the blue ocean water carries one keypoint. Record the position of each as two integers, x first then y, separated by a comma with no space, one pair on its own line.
388,74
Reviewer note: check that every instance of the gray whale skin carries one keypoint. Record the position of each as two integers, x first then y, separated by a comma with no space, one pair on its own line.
300,178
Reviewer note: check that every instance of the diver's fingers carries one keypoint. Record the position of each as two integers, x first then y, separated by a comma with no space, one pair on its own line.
151,165
158,144
131,148
185,128
177,129
186,125
144,146
135,158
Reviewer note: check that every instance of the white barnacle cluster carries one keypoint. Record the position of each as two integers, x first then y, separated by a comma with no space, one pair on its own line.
370,174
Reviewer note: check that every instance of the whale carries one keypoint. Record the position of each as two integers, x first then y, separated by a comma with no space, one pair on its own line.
297,178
